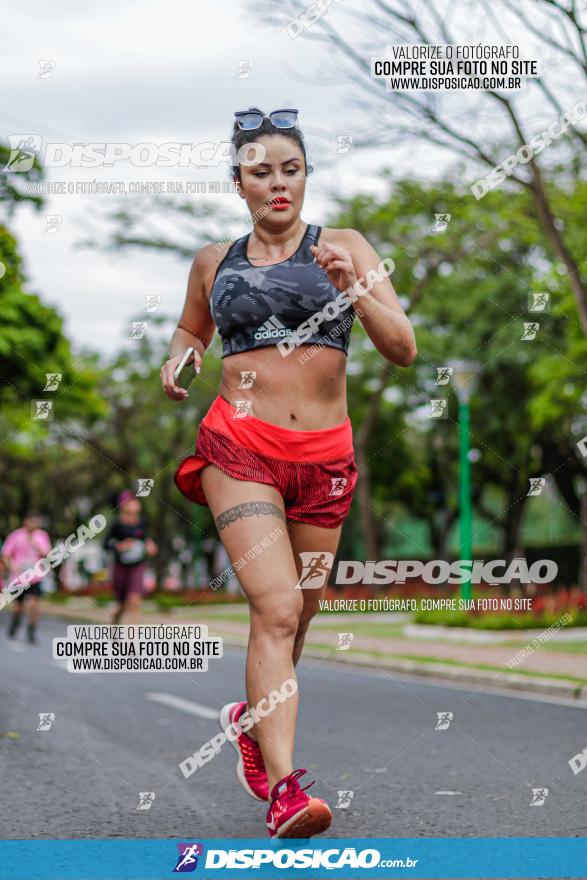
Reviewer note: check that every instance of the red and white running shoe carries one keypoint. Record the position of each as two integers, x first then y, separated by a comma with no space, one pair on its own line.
250,767
293,813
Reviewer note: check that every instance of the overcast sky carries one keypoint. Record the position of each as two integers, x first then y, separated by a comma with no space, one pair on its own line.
158,71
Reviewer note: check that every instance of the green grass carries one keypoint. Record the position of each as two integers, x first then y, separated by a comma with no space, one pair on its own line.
564,647
395,632
383,655
378,630
234,618
504,621
319,624
58,598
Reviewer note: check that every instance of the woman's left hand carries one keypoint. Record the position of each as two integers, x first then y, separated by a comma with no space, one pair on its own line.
337,262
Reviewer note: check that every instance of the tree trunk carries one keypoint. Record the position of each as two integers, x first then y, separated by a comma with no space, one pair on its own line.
516,504
583,560
440,526
368,523
554,236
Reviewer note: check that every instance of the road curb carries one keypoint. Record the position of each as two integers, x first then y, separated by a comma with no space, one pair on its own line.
441,671
533,684
445,672
425,631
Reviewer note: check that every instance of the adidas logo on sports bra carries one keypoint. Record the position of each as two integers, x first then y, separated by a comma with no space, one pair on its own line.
272,329
257,306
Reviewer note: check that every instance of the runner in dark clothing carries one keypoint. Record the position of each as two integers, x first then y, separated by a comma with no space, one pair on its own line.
128,540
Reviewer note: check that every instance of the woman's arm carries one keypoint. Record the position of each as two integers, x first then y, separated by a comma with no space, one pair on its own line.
195,326
110,538
378,309
6,552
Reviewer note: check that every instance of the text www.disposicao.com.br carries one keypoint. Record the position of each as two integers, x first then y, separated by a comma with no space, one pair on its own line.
130,664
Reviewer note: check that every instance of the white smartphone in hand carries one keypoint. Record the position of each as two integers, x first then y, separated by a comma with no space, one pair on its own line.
184,372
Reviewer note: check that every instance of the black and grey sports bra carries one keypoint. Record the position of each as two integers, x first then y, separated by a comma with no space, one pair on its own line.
256,306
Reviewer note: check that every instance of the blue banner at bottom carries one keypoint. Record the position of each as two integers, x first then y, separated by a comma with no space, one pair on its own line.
383,858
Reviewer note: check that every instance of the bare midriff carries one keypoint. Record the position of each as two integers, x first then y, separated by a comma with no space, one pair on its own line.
304,391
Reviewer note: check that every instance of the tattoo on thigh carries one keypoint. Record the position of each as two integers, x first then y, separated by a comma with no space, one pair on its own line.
249,508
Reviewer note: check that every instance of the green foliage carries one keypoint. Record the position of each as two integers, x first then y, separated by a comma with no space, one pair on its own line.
13,185
504,621
467,293
165,602
59,597
36,453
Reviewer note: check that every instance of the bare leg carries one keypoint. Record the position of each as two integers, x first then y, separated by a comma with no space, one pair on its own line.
315,539
33,606
126,582
247,514
118,579
131,609
16,618
34,610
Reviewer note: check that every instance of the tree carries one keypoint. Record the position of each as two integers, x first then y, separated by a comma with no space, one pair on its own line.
481,127
467,291
32,347
142,435
13,185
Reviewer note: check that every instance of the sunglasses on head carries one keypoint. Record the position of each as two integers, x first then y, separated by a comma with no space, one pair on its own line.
250,119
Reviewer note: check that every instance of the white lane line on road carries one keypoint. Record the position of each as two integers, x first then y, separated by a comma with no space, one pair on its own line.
447,792
14,646
184,705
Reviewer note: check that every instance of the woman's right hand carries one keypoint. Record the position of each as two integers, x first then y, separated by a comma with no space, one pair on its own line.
173,391
125,544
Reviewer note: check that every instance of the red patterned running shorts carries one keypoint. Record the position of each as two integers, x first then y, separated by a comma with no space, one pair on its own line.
314,471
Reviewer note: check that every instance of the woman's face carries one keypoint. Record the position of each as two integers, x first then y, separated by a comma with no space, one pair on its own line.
281,172
130,510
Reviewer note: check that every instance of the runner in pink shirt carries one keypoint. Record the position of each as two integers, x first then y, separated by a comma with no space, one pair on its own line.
20,551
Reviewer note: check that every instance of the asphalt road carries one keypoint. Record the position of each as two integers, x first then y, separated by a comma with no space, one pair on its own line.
369,731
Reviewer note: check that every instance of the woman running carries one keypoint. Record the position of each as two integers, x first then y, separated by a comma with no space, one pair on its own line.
274,458
127,538
22,549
